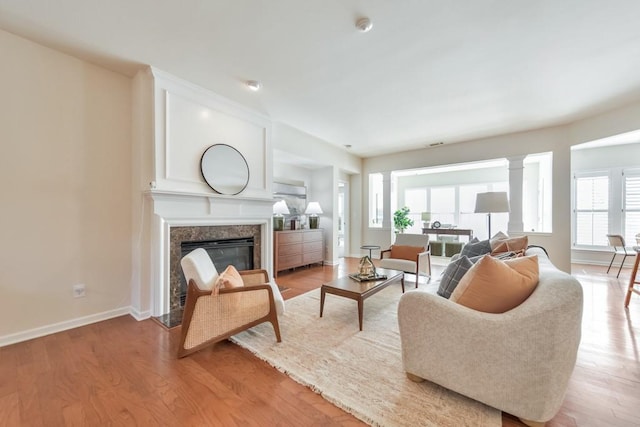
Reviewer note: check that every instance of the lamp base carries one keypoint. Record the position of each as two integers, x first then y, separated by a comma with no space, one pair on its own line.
278,223
314,221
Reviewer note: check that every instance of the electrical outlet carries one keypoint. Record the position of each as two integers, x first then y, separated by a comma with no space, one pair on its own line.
78,290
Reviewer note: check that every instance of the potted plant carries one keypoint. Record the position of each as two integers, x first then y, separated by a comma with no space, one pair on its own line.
401,220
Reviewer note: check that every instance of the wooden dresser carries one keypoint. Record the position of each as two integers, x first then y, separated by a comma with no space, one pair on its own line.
295,248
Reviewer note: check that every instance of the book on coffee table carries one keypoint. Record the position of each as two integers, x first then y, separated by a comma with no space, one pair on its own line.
360,278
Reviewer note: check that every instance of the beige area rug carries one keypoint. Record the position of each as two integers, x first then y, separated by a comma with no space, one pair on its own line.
360,372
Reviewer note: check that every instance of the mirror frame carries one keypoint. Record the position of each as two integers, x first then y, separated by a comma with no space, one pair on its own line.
223,157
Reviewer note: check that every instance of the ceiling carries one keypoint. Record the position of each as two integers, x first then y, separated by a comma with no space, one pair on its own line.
429,71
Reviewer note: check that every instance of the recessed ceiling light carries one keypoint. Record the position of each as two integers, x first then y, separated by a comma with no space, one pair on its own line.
364,24
347,146
253,85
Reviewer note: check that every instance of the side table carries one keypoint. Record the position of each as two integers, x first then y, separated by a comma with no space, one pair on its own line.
370,248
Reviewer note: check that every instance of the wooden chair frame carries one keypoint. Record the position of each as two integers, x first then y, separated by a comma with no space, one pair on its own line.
426,253
256,282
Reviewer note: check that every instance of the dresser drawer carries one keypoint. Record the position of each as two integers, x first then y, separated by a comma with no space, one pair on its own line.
285,238
290,249
313,236
312,257
312,246
289,261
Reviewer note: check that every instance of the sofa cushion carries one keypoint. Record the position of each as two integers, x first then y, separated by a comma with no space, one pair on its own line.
515,244
495,286
398,264
406,252
472,248
452,275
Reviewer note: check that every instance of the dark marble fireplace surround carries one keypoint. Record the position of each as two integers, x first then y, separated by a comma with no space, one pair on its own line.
177,235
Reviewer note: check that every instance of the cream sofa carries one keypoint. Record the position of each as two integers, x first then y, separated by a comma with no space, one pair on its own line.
519,361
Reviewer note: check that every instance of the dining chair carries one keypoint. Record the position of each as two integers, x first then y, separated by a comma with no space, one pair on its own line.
619,248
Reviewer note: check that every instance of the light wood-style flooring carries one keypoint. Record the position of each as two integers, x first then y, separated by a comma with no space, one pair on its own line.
124,372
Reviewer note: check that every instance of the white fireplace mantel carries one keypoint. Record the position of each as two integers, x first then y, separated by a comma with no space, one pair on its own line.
172,209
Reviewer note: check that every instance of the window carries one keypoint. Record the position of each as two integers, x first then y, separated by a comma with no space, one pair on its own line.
443,205
375,200
631,206
606,202
591,198
454,205
416,200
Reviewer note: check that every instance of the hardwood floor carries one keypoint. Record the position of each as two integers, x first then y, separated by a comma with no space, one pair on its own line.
124,372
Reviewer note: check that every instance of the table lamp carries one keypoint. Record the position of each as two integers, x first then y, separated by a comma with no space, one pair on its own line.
426,218
313,209
279,210
492,202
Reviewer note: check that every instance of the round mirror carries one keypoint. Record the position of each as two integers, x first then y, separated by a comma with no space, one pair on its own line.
224,169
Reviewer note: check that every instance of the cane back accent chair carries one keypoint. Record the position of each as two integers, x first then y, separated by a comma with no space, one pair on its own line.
213,314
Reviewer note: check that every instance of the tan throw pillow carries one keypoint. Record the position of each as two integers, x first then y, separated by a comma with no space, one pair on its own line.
406,252
230,278
495,286
512,244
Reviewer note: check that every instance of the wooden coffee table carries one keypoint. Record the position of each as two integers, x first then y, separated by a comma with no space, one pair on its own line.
360,291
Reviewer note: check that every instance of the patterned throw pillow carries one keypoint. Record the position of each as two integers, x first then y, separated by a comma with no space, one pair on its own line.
472,248
515,244
508,255
452,275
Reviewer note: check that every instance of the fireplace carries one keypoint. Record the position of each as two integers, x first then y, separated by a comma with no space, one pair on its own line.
223,252
242,241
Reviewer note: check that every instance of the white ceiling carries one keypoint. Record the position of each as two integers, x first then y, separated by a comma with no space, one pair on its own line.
428,71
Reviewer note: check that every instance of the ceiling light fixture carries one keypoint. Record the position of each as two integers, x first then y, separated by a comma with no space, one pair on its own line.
364,24
254,85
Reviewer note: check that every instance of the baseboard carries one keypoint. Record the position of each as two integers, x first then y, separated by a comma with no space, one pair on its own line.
139,315
62,326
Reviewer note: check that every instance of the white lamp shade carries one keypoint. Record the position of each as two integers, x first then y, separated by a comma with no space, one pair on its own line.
426,216
313,208
492,202
280,208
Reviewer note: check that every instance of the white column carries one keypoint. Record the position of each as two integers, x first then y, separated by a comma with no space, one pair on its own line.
387,223
516,172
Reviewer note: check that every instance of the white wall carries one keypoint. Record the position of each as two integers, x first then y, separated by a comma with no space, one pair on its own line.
305,146
557,139
592,159
65,174
554,139
330,165
290,174
617,156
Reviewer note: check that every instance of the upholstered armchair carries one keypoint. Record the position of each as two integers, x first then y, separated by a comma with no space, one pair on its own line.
519,361
409,253
221,305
